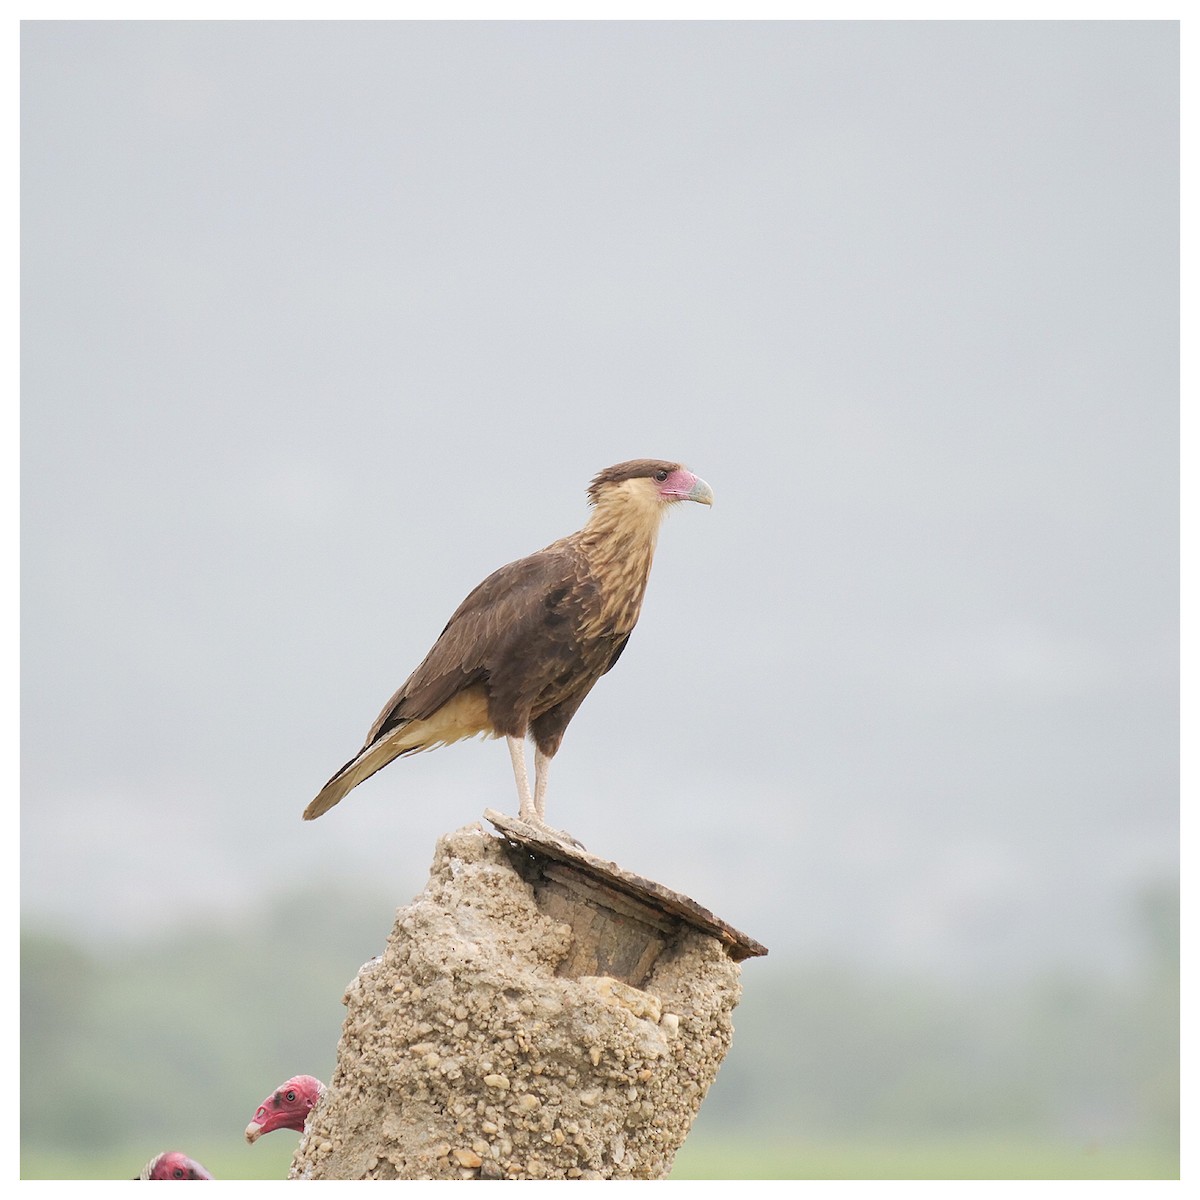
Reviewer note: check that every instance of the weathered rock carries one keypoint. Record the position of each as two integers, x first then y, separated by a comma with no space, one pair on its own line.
465,1055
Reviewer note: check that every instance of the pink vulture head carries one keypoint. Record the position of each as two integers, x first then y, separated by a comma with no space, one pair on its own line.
287,1107
173,1165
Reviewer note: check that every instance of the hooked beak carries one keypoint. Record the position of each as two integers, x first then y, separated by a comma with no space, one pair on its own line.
700,492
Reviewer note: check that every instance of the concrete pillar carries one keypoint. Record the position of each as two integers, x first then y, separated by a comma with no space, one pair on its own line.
536,1014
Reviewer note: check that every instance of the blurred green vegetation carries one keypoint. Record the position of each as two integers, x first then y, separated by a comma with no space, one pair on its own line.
966,1158
835,1071
171,1043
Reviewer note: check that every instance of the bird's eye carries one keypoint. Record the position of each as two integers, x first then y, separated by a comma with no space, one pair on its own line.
661,476
290,1097
177,1173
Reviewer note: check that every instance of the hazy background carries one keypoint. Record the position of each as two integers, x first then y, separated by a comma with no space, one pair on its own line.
324,322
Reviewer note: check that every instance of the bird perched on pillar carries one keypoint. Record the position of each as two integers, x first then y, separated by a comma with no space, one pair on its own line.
526,646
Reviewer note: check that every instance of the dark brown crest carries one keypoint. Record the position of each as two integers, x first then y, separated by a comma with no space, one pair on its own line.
635,468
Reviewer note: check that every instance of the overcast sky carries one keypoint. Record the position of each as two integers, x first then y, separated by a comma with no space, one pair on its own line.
324,322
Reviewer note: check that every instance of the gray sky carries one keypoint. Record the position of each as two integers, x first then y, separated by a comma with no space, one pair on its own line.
324,322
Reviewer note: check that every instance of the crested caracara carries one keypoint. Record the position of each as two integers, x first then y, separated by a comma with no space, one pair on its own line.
527,645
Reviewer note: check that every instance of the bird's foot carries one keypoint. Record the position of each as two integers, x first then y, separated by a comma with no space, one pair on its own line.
558,835
564,836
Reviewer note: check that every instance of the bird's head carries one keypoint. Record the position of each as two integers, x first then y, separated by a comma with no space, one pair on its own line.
173,1165
287,1107
649,482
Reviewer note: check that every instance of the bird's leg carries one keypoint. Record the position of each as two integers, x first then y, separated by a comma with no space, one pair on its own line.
516,748
541,769
541,774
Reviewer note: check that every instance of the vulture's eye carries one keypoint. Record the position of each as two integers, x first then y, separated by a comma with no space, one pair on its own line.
290,1097
661,476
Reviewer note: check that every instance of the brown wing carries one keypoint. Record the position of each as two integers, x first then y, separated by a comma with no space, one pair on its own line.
512,642
511,621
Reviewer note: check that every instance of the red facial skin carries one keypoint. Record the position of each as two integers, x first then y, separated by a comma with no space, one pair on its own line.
287,1107
683,485
173,1165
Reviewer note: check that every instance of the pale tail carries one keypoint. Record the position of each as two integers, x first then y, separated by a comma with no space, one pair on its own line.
361,767
465,715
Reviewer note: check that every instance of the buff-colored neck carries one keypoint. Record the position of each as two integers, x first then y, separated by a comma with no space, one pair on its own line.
619,541
624,524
